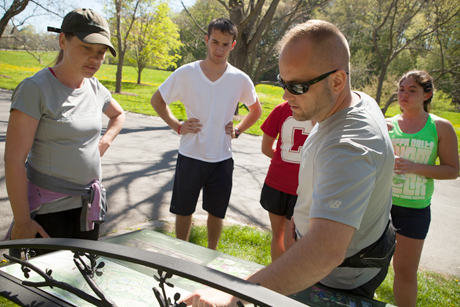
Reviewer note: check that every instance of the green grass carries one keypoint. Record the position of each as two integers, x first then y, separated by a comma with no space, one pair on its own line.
246,242
243,242
136,98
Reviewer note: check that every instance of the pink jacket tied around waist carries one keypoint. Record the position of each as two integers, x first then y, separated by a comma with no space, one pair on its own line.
45,188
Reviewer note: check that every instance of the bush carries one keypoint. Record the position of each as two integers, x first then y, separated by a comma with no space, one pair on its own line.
443,102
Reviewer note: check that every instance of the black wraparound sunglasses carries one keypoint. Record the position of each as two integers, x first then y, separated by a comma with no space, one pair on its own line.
302,88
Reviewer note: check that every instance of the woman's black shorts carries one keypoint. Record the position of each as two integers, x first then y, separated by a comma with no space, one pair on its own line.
277,202
410,222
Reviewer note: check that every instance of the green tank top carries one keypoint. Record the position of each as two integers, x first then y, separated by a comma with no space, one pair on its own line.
414,191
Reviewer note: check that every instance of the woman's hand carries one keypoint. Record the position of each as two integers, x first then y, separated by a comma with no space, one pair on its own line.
27,230
403,166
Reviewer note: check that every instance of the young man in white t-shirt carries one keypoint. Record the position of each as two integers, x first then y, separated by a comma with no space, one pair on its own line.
210,91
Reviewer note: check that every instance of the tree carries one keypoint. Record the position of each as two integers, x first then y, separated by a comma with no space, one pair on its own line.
19,35
154,41
389,37
16,7
192,23
13,8
124,15
443,58
36,44
411,25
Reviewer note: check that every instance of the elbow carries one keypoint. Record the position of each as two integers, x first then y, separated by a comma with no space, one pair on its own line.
122,117
268,152
153,103
157,101
454,173
255,110
265,152
14,161
335,258
258,112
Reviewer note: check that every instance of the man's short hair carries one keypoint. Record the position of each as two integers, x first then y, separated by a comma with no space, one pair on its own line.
224,25
330,44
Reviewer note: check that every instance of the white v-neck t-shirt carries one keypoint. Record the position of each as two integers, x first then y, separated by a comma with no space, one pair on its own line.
213,103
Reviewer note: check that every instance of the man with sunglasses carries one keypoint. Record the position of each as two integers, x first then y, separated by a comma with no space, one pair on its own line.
210,91
344,192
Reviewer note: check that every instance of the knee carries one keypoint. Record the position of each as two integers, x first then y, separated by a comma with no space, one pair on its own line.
405,272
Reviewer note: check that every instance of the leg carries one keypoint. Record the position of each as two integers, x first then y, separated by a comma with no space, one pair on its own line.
288,238
280,207
214,231
412,227
216,197
405,263
186,190
183,226
278,234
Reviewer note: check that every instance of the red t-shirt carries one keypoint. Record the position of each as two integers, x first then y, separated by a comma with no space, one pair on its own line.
284,168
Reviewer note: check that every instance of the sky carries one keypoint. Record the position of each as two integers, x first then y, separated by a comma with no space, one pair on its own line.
41,23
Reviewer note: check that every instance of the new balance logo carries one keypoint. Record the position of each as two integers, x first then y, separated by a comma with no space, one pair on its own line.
333,204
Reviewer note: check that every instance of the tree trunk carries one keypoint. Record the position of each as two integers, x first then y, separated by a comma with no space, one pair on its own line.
16,7
119,74
238,55
121,56
382,75
390,100
139,74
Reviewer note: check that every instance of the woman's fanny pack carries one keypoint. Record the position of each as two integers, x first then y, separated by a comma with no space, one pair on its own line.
376,255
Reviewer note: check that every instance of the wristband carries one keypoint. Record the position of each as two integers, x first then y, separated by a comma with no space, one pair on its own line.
178,129
237,133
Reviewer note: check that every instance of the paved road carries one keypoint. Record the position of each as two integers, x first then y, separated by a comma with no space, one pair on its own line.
138,171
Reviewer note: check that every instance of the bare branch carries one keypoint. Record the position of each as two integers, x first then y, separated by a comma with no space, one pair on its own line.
194,20
39,58
255,11
46,9
221,2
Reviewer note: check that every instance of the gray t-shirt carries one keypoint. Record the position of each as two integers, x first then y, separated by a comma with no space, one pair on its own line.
345,176
66,143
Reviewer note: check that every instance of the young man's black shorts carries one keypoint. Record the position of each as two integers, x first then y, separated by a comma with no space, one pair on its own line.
191,176
277,202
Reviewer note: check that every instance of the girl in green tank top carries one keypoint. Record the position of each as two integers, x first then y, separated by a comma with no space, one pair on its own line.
418,139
